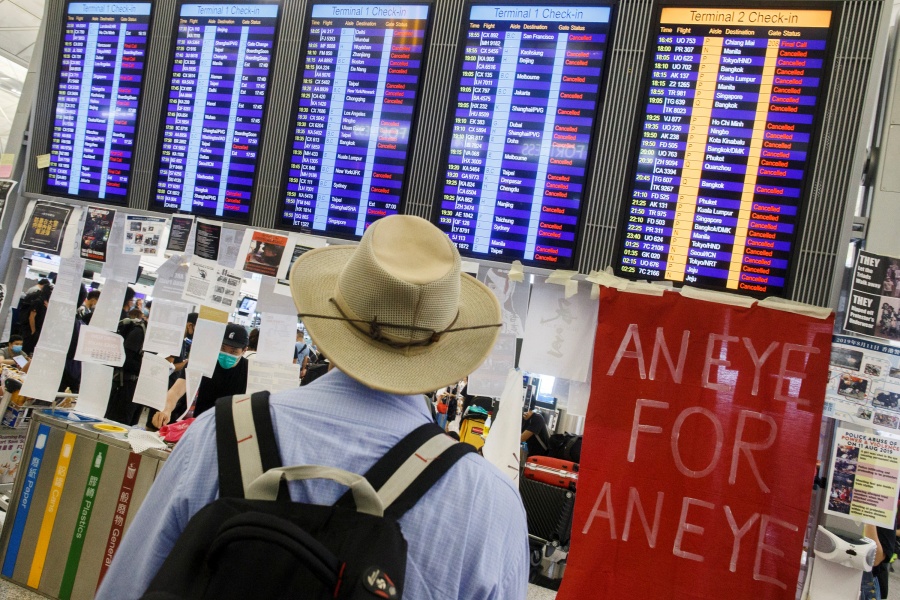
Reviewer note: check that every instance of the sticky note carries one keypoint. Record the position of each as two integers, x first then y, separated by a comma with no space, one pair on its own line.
6,165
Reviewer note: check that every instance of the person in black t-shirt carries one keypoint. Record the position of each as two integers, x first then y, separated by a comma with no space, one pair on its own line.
229,378
535,434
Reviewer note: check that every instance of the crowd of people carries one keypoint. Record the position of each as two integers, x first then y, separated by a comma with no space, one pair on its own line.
229,377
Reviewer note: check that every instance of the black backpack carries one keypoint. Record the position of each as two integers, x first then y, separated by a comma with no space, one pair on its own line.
565,446
254,542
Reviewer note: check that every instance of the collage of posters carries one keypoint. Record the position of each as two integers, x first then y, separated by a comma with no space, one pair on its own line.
864,383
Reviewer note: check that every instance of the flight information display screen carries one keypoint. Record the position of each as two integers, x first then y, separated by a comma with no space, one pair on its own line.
522,126
358,93
217,95
730,116
99,88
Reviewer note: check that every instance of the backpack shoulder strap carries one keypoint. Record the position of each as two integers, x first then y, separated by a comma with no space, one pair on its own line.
409,469
245,442
417,476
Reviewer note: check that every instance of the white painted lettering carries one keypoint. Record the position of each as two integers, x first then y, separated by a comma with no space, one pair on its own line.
637,427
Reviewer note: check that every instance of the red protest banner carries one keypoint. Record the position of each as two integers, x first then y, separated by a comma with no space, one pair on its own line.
699,450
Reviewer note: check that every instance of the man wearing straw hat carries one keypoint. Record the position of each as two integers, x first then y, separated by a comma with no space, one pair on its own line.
396,317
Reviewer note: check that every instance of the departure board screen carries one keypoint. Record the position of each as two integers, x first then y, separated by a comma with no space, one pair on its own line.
358,92
211,135
729,120
522,123
98,91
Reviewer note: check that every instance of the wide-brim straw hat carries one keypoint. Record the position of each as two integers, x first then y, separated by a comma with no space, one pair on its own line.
395,312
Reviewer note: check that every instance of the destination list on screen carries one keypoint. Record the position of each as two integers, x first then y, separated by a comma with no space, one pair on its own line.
217,97
724,152
521,131
358,93
100,82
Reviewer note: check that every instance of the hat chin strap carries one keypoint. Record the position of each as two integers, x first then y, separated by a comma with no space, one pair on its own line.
376,330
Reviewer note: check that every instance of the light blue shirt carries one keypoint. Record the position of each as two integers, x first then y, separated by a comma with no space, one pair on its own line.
467,537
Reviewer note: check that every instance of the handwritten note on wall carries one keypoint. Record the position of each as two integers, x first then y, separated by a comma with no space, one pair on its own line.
559,332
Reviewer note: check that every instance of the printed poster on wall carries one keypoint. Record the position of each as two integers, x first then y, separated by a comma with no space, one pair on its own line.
207,238
44,228
262,252
179,234
863,481
210,284
6,188
98,224
864,383
142,234
874,307
700,446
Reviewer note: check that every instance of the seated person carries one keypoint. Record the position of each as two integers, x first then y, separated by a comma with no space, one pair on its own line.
535,434
12,350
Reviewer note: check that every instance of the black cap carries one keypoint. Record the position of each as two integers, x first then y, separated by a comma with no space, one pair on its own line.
235,336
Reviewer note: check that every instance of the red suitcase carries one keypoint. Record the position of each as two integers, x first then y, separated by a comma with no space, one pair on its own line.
552,471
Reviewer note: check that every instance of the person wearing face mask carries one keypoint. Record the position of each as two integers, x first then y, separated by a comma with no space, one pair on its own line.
230,375
8,354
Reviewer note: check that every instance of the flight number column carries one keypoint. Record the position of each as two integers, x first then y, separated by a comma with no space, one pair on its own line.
199,80
64,126
487,205
333,128
316,95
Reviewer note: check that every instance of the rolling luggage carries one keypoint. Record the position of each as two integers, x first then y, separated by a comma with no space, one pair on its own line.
549,511
552,471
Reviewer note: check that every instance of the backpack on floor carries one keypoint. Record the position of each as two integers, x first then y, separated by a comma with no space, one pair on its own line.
254,542
565,446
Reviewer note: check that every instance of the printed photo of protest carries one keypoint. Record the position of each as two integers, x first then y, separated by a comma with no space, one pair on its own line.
886,420
853,387
889,400
848,359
